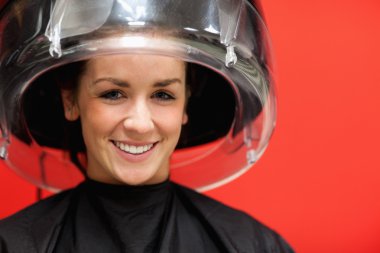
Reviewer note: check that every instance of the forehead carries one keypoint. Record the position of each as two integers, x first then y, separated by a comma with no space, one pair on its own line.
128,64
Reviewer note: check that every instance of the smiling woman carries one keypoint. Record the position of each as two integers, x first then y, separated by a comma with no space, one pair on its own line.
131,119
140,102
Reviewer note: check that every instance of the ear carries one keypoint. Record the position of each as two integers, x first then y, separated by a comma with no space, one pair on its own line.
69,106
185,118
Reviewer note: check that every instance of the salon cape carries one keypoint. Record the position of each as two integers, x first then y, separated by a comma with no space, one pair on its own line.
97,217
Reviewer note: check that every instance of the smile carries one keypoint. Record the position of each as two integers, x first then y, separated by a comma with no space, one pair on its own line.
131,149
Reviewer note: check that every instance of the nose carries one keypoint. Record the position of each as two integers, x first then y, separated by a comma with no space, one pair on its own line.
138,118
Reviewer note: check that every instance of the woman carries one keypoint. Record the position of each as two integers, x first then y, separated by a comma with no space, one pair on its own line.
119,86
131,119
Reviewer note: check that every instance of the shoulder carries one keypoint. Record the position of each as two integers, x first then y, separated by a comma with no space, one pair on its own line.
16,231
234,225
36,210
215,210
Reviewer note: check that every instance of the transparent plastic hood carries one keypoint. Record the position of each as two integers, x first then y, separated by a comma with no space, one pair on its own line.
231,118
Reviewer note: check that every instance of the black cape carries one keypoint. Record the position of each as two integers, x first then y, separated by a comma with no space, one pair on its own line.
96,217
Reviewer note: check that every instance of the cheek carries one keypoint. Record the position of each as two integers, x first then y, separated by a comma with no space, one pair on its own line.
97,119
169,121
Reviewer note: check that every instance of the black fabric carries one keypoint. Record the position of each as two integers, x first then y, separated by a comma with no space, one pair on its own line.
97,217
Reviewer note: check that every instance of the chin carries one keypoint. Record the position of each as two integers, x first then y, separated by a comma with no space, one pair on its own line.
140,178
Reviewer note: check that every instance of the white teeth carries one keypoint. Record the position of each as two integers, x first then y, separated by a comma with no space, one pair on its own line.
139,150
133,149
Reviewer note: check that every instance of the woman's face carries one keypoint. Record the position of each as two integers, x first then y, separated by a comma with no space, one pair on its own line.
131,108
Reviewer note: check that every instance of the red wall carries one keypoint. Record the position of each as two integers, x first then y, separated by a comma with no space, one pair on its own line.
318,182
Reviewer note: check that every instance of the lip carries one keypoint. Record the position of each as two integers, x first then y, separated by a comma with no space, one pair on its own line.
135,143
134,158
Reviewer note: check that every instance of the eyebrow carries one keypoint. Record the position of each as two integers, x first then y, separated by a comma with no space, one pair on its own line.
124,84
167,82
112,80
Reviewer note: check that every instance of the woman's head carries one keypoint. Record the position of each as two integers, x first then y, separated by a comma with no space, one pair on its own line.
131,109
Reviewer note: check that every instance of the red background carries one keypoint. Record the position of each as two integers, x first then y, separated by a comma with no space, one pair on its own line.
318,182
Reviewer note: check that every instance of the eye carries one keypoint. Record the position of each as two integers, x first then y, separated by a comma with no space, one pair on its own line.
162,95
112,95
